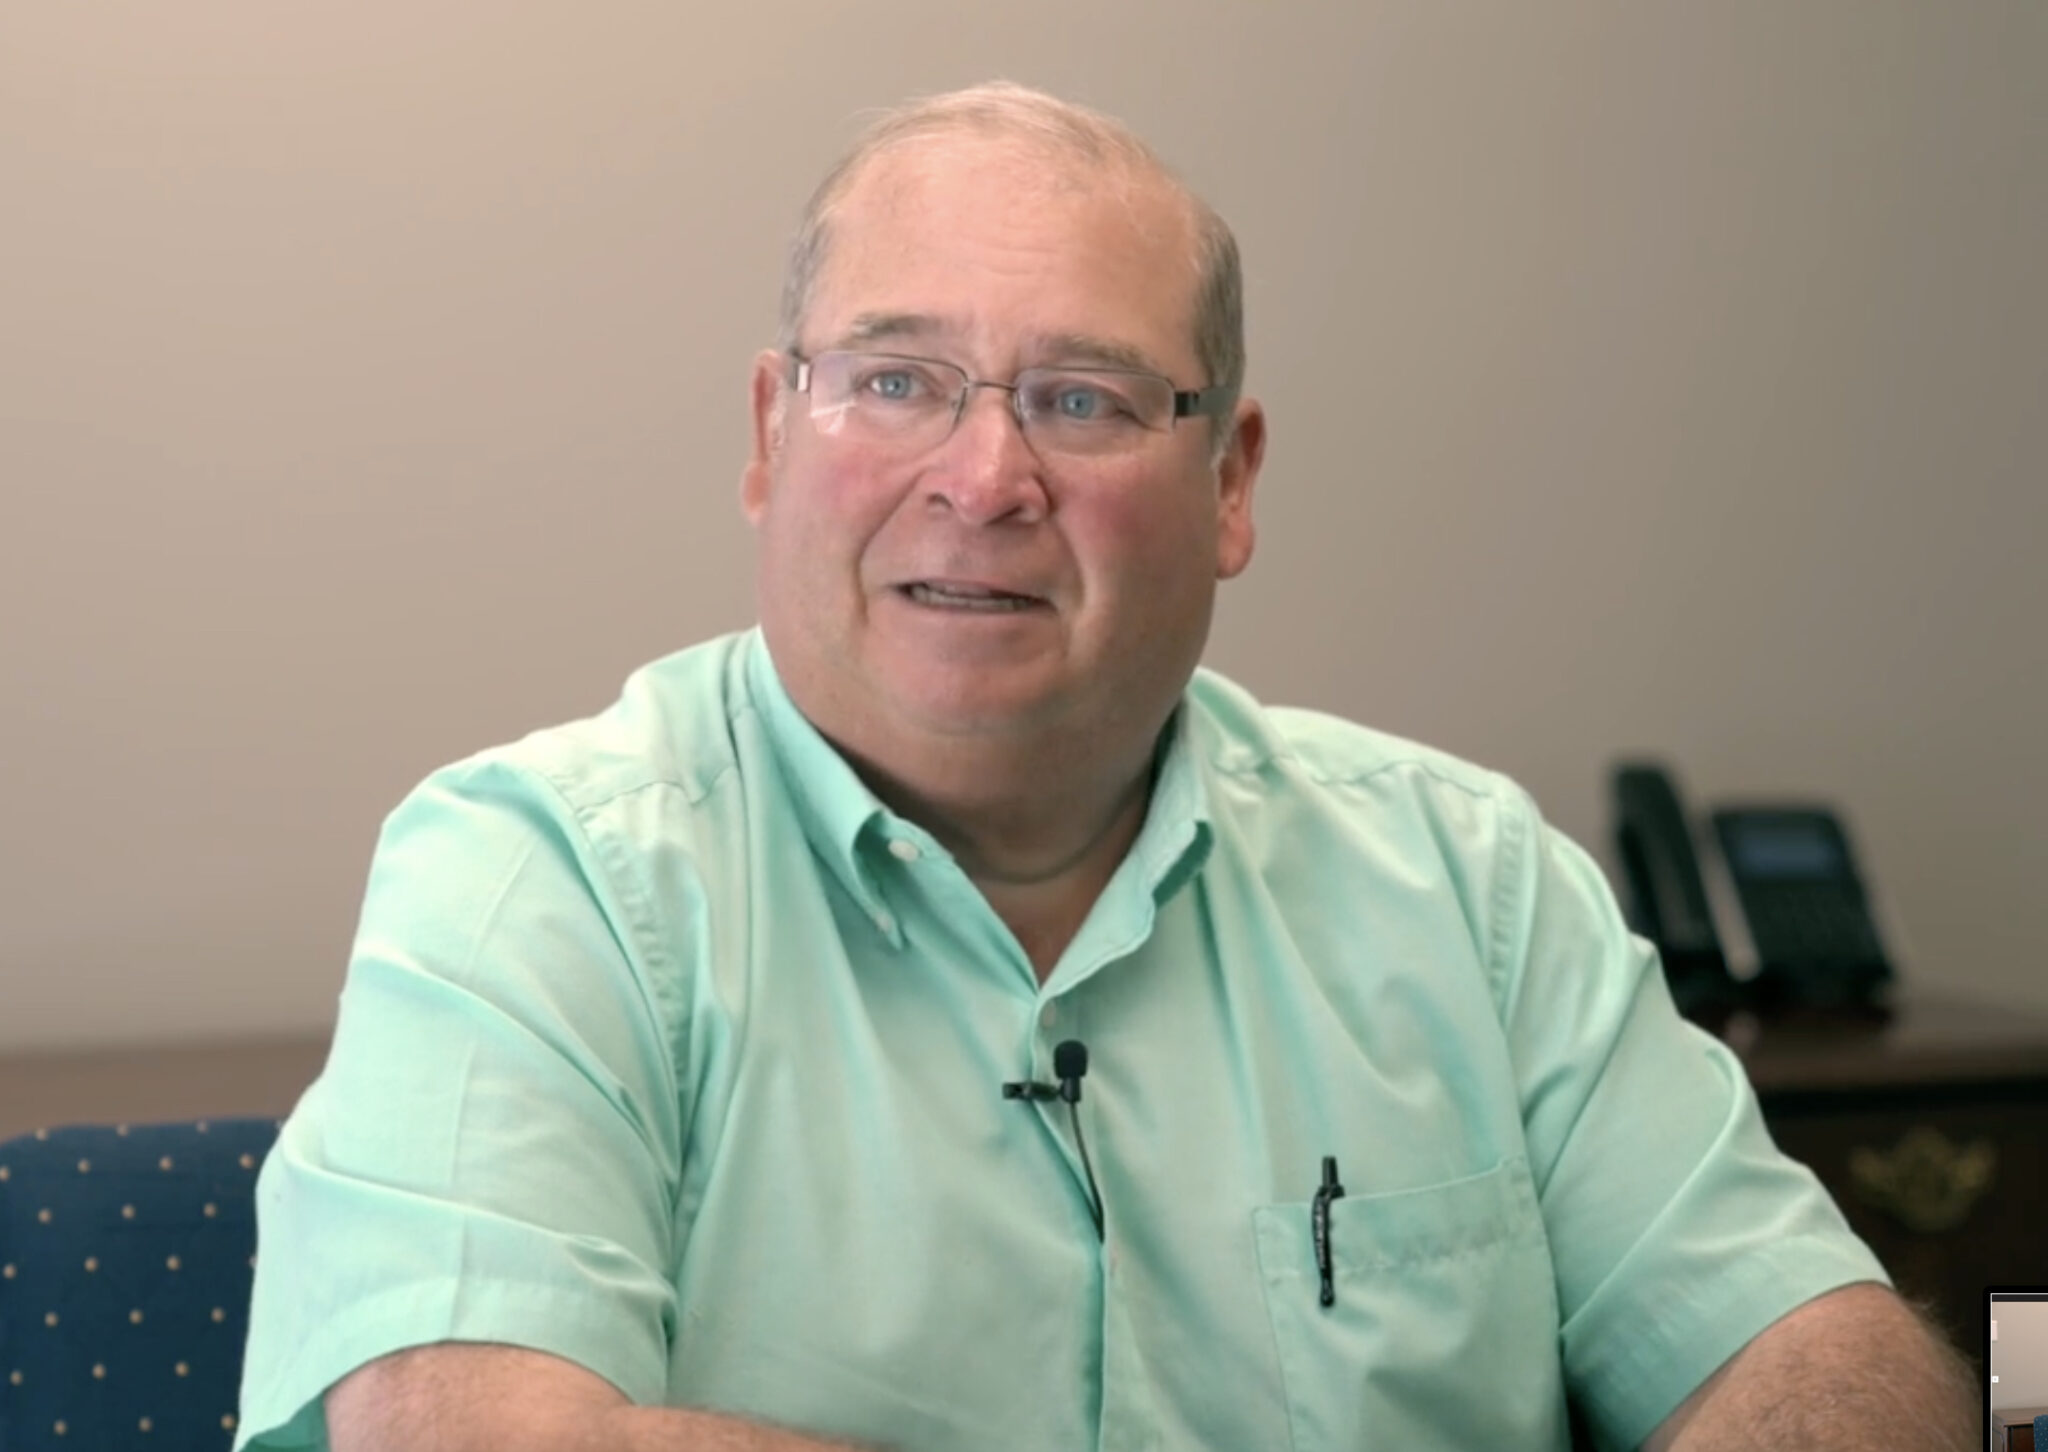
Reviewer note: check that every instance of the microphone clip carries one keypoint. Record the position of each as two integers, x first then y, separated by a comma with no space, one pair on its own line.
1030,1089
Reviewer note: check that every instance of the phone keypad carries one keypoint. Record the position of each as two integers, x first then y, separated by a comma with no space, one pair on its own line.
1809,923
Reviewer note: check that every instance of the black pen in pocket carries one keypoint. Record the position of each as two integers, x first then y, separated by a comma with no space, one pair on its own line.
1328,1193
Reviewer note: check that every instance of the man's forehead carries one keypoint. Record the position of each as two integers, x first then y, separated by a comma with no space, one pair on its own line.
905,217
935,330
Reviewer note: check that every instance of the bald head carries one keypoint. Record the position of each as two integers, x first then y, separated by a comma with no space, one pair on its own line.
1047,143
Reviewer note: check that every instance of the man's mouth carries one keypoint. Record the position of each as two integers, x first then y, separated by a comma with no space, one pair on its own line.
966,597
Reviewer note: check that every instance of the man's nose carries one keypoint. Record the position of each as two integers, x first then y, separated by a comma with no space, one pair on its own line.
987,469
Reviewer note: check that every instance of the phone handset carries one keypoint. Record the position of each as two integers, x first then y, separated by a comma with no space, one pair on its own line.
1667,897
1762,906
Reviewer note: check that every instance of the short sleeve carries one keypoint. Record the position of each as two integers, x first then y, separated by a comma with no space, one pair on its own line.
1678,1230
491,1152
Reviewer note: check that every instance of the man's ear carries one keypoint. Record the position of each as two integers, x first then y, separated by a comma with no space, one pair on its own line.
1237,476
766,390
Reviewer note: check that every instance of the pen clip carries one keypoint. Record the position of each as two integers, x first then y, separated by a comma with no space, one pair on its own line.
1327,1194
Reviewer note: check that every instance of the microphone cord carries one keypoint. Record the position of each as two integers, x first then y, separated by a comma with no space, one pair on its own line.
1081,1142
1070,1064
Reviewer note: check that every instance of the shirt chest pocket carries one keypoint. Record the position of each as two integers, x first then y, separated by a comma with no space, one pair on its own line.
1444,1332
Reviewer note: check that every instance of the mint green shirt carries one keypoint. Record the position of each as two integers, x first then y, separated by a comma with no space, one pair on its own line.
667,1048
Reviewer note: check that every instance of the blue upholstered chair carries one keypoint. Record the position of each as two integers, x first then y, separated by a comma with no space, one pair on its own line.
2041,1433
125,1262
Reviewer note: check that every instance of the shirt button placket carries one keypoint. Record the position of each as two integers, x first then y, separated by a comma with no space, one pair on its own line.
906,851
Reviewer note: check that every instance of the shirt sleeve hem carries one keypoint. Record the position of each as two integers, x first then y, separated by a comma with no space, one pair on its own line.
1688,1334
284,1411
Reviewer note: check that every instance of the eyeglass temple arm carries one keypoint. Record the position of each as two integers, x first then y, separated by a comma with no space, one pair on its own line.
1211,402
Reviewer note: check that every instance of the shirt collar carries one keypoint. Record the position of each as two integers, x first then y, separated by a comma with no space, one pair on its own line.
834,805
845,822
1174,842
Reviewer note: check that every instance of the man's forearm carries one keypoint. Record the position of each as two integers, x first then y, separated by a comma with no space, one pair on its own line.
663,1429
1854,1369
479,1397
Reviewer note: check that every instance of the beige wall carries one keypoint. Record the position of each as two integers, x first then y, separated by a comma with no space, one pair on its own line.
2020,1358
371,384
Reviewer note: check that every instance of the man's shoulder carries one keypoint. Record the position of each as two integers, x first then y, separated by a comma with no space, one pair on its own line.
671,727
1308,749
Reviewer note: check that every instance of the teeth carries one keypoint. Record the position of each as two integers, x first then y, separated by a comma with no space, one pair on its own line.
967,600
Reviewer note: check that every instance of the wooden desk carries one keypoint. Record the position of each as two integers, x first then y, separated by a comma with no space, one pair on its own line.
1931,1131
2012,1430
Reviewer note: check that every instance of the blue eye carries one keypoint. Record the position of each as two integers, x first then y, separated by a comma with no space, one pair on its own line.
1081,403
1092,401
895,384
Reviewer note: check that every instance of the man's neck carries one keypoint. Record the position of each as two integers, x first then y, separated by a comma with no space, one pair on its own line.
1041,838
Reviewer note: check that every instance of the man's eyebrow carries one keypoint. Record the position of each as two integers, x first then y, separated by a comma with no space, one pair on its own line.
1068,348
1082,348
873,327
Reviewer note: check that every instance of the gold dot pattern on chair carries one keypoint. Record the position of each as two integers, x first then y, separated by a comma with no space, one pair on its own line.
125,1264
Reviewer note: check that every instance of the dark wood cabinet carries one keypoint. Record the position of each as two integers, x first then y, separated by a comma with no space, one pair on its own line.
2012,1430
1930,1128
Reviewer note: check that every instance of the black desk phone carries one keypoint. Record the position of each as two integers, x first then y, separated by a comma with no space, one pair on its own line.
1757,907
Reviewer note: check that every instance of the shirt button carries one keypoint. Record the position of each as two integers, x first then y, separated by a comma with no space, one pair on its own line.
1050,1015
885,923
903,850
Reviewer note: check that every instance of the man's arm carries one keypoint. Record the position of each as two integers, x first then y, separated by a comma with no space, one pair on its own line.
453,1397
1851,1369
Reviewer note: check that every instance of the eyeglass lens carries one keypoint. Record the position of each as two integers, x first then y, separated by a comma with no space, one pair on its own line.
916,402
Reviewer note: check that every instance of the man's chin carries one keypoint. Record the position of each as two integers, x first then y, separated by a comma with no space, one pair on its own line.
978,700
990,715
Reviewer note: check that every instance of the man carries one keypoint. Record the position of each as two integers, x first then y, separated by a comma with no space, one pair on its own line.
668,1107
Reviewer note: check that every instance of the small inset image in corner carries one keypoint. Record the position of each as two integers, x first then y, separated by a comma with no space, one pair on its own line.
2016,1371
